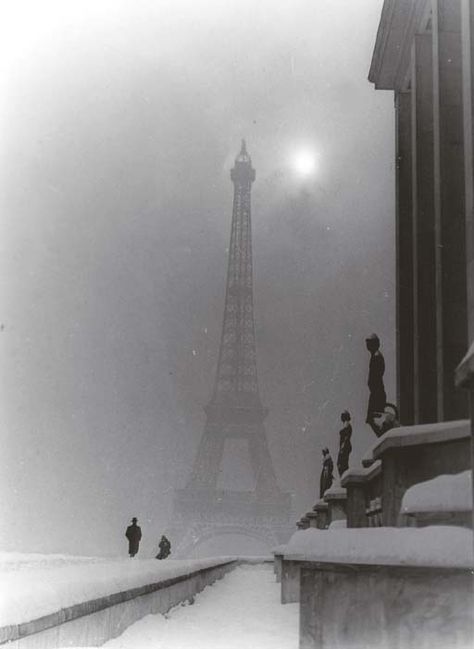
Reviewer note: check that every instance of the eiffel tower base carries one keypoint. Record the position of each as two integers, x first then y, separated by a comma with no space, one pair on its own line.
204,514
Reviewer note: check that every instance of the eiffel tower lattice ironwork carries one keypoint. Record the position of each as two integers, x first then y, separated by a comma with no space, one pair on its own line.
235,409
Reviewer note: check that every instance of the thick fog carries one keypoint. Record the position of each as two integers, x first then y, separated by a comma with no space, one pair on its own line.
119,123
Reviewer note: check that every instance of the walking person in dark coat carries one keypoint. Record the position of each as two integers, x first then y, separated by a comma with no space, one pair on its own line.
327,477
345,446
165,548
377,397
134,535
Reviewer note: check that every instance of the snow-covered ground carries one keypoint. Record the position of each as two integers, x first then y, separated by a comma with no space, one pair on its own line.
241,610
33,585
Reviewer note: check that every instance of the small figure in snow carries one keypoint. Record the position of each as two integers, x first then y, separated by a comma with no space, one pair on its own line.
345,446
327,477
134,535
165,548
377,397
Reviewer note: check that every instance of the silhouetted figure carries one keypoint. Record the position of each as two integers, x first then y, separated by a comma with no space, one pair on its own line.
165,548
327,477
345,446
377,398
133,534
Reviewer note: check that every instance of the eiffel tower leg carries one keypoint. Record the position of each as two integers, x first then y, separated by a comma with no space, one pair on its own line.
208,461
262,464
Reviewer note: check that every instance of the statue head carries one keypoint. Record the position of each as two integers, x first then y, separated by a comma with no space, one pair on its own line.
345,416
372,343
325,451
134,520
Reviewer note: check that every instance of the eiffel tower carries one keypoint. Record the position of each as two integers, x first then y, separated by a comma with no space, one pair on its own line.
202,510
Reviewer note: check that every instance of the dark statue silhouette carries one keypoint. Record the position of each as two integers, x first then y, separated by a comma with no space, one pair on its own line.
327,477
345,446
378,408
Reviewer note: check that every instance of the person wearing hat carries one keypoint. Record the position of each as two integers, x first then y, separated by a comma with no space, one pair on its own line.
377,397
327,477
345,446
134,535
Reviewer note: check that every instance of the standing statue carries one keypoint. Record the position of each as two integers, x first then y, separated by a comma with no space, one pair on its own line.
345,446
378,408
134,535
165,548
377,398
327,477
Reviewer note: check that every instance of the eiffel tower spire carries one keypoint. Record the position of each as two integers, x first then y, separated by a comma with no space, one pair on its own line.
236,377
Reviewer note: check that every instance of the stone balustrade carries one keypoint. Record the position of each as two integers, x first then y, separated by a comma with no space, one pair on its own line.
414,454
362,486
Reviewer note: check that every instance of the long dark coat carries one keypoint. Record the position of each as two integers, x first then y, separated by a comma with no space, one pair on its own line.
133,534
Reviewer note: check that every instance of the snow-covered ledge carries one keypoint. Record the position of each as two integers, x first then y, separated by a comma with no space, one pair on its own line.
420,434
418,581
436,546
444,500
413,454
91,601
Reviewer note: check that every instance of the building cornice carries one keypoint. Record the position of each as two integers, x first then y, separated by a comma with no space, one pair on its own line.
399,22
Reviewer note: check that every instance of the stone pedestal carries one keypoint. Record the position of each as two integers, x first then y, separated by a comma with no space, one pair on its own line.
362,486
277,566
290,582
336,498
313,519
321,508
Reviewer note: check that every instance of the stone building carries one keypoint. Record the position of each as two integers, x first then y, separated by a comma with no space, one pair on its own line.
424,53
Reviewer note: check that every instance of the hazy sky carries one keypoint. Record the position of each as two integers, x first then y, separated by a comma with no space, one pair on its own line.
119,122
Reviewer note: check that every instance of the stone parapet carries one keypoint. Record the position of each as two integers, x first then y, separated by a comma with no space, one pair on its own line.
342,605
413,454
93,622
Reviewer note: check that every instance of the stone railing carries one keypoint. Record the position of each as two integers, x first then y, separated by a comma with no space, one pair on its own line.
92,622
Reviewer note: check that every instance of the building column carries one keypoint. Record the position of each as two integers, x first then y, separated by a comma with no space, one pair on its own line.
465,371
404,262
449,216
424,293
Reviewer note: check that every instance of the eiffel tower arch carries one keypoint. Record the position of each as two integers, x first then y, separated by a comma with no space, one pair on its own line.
203,510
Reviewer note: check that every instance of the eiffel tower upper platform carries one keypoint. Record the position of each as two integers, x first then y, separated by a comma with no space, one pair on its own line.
235,410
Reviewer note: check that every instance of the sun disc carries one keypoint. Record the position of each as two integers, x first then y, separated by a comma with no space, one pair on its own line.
304,163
